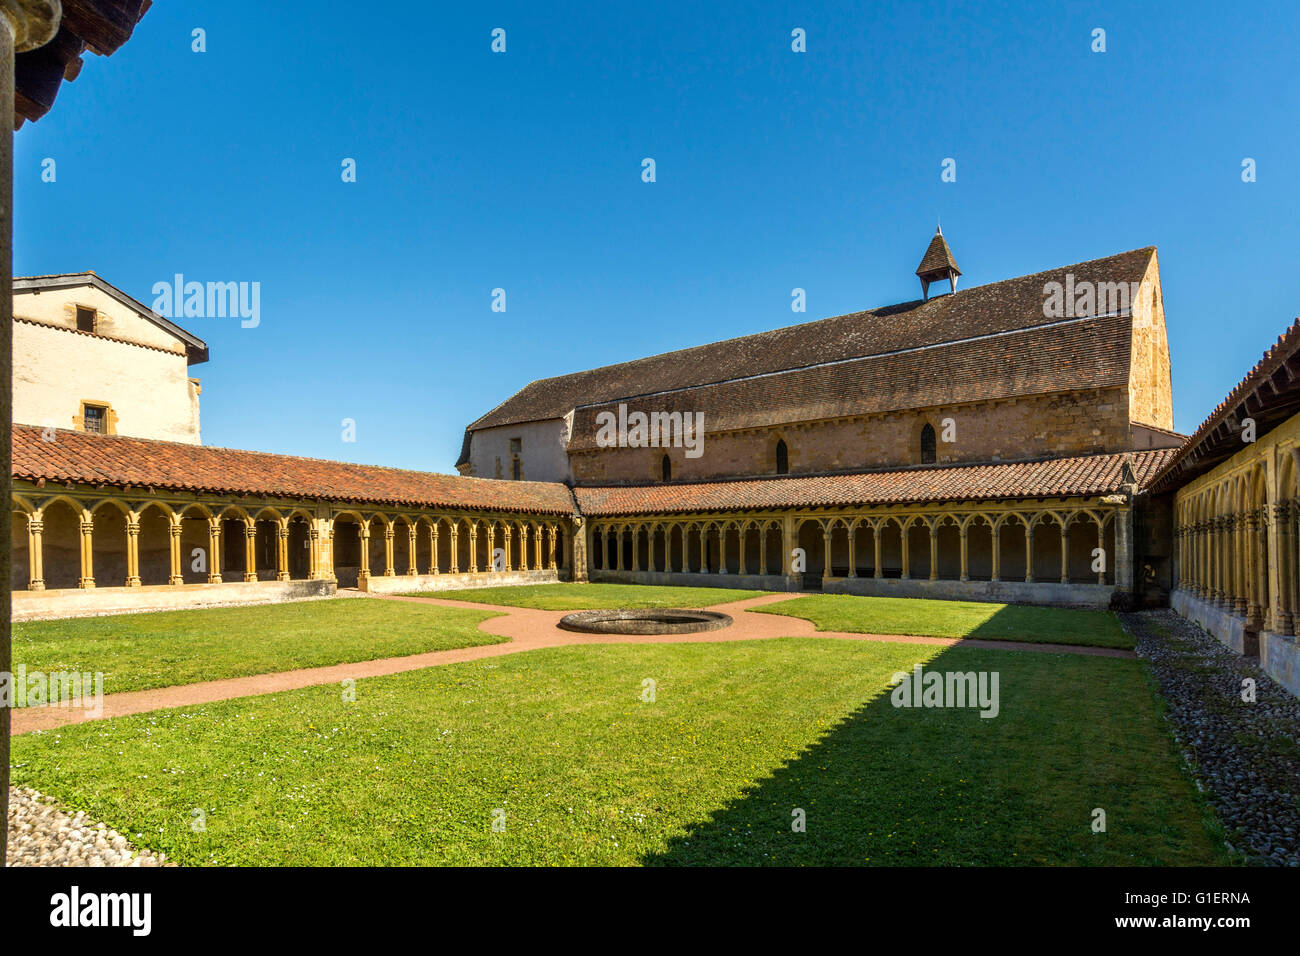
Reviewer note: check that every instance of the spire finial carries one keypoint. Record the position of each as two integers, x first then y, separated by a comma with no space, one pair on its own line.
938,263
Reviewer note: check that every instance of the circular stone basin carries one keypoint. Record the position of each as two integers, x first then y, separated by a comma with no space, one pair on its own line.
645,621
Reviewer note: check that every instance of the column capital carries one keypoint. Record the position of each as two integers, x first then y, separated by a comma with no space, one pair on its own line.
33,23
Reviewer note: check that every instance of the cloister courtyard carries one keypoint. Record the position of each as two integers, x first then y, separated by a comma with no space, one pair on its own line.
467,728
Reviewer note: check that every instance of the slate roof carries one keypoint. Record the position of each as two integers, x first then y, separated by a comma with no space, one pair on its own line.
1088,353
1059,477
139,462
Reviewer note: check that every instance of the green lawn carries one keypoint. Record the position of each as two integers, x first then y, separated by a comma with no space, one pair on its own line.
140,651
582,597
927,618
559,746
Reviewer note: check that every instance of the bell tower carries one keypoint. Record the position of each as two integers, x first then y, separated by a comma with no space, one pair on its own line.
937,264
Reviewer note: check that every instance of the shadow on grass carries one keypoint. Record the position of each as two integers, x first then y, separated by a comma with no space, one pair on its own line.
944,786
957,619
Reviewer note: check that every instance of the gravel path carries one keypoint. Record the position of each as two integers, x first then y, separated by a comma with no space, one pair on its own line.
40,834
1245,756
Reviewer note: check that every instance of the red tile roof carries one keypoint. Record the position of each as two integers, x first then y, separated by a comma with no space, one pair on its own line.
1270,393
142,463
118,460
1061,477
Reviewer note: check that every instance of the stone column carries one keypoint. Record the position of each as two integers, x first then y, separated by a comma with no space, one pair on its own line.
636,549
132,551
1202,582
1223,583
87,579
1284,603
789,541
214,550
826,552
316,562
996,537
853,551
1065,553
1029,553
389,570
35,569
651,534
453,546
433,547
740,538
1123,564
413,568
762,550
1256,585
879,570
491,549
27,24
537,548
578,548
1101,546
907,561
174,533
934,551
282,551
962,531
1239,564
250,549
363,572
473,548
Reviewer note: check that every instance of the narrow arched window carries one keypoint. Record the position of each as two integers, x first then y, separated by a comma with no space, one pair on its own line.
928,454
782,458
668,469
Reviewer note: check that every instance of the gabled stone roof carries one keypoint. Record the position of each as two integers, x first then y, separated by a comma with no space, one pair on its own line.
1062,358
144,463
1054,478
1089,353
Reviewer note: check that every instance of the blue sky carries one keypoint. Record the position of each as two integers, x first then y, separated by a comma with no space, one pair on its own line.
775,170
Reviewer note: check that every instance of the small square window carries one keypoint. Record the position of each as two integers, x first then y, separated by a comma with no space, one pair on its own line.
96,419
85,319
516,445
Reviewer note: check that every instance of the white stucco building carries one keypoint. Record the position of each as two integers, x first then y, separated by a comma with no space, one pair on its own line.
89,357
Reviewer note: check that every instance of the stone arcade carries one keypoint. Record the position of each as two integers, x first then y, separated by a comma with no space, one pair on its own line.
970,445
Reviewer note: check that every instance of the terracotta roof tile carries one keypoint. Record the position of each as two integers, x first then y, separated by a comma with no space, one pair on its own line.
1279,402
1090,475
139,462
